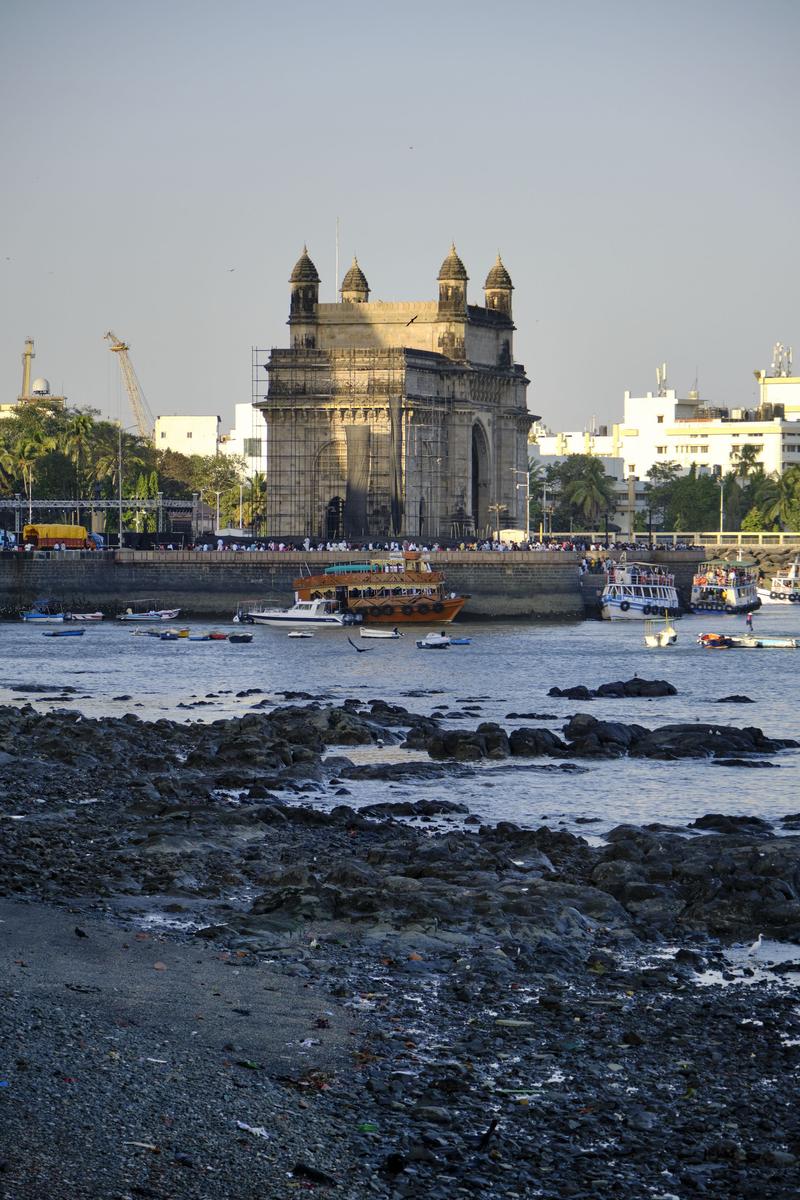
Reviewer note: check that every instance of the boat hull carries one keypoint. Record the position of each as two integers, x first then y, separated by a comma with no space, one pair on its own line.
408,611
162,614
281,620
636,608
35,618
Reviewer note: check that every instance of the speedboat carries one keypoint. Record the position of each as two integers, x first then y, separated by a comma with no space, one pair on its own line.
42,616
322,613
148,610
637,590
434,641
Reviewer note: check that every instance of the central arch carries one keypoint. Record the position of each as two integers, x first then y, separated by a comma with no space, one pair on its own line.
480,479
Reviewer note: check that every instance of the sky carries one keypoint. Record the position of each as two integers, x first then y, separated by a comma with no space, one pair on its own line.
163,163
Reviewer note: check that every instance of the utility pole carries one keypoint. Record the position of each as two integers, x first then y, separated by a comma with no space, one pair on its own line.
721,503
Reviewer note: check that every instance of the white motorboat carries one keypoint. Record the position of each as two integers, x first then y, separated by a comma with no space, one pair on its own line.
784,587
434,641
637,590
722,586
147,610
384,634
300,633
658,635
93,616
317,613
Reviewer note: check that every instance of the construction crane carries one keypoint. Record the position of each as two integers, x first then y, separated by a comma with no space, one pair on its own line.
139,406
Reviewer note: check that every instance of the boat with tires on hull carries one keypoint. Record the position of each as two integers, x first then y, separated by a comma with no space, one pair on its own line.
635,591
784,587
398,589
725,587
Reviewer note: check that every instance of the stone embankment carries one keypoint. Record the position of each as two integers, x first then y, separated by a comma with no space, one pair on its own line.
513,585
366,1005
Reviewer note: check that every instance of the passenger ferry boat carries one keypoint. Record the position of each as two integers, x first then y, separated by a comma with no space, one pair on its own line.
637,590
783,587
721,586
394,590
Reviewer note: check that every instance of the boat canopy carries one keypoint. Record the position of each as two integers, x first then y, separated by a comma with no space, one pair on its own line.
352,568
737,564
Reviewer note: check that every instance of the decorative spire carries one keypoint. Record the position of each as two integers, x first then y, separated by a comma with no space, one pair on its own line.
304,270
453,268
498,276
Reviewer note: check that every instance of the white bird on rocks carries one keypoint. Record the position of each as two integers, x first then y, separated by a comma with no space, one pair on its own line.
755,949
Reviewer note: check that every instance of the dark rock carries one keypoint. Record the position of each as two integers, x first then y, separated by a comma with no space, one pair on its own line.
722,823
735,699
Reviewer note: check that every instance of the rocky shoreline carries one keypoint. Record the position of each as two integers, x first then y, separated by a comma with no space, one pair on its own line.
213,989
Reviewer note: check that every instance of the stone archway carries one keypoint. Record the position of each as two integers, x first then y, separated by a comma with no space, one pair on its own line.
329,486
334,519
480,480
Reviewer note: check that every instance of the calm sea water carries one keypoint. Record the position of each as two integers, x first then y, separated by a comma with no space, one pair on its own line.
508,667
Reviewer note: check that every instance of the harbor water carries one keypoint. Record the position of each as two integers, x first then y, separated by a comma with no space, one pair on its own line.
508,668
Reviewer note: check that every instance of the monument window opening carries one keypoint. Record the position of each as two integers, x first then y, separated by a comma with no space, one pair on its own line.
334,525
480,480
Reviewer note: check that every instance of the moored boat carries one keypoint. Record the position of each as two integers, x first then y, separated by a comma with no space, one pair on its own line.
434,641
658,635
147,610
383,634
784,587
746,641
240,638
636,590
398,589
43,614
92,616
317,613
64,633
721,586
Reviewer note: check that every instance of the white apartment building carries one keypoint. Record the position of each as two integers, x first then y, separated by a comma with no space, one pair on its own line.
248,438
188,434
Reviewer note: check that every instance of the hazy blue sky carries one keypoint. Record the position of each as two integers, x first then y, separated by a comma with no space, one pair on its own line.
163,163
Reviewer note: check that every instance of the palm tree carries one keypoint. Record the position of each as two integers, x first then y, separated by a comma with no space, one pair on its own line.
255,507
745,459
781,497
77,443
592,493
25,454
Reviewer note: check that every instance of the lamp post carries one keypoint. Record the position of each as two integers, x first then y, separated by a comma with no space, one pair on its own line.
721,482
497,509
216,527
526,484
241,505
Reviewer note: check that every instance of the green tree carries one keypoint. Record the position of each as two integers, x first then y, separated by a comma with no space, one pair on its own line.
583,491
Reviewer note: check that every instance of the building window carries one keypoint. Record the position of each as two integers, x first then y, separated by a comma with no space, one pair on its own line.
189,434
163,434
252,447
661,449
660,420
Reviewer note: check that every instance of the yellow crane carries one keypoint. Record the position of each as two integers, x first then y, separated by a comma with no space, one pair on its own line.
139,406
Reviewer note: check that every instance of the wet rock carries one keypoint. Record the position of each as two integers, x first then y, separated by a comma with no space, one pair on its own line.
735,699
723,823
619,689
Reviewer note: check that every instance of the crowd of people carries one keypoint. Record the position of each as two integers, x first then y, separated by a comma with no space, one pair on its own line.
308,546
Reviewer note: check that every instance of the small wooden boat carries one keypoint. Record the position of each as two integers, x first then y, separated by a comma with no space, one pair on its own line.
215,636
240,638
383,634
460,641
64,633
746,641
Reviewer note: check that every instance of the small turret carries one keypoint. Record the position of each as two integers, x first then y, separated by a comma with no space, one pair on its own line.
305,287
498,288
453,285
355,289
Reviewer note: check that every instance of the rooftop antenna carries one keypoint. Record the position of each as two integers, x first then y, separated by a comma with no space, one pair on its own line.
661,379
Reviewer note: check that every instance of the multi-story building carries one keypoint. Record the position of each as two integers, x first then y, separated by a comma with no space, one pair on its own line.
248,438
188,434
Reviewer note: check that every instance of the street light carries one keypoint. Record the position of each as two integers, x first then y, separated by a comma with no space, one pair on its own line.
527,485
216,528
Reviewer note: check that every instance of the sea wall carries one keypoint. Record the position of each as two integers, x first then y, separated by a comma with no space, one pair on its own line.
519,585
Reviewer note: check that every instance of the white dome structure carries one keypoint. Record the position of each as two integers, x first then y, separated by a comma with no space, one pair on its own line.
40,387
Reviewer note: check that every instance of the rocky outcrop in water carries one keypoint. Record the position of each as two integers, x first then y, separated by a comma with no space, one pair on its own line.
618,690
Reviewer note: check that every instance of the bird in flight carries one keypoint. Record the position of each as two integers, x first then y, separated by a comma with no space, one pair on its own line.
413,319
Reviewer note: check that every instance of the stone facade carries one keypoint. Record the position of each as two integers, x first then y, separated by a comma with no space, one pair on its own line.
396,419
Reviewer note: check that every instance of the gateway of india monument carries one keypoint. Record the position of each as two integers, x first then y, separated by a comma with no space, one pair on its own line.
396,420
